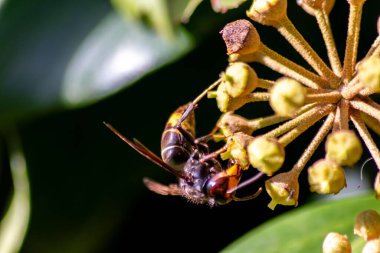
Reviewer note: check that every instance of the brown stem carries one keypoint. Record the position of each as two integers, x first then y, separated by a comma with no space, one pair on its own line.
307,116
318,138
282,65
328,97
366,137
371,122
291,34
324,25
352,40
366,108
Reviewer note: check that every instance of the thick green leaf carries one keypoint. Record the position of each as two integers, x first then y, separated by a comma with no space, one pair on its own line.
304,229
115,55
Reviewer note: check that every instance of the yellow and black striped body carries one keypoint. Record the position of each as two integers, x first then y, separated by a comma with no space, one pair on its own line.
177,143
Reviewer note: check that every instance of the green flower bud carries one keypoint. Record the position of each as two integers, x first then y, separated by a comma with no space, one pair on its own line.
326,177
227,103
369,73
287,96
376,185
237,144
343,147
372,246
240,37
230,123
240,79
268,12
367,225
336,243
283,189
311,5
266,154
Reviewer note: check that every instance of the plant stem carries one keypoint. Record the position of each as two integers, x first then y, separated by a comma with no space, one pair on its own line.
324,26
291,34
328,97
316,112
352,41
318,138
365,107
366,137
282,65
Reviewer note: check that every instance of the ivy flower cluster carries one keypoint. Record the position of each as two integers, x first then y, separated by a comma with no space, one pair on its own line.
339,94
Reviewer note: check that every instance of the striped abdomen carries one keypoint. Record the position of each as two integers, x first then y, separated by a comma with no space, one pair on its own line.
177,144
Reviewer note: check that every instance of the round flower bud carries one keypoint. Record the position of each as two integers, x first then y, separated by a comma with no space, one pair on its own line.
240,79
311,5
266,154
336,243
369,73
376,185
326,177
372,246
227,103
240,37
344,147
283,189
268,12
236,144
367,225
230,123
287,96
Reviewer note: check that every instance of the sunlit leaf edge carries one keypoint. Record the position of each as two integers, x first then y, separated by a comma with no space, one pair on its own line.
303,229
111,58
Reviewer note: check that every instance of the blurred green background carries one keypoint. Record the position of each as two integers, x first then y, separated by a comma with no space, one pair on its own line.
67,66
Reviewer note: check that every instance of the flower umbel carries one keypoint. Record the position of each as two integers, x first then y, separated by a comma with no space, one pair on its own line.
341,94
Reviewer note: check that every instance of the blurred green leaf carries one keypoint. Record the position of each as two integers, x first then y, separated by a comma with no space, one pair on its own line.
42,43
225,5
304,229
115,55
14,224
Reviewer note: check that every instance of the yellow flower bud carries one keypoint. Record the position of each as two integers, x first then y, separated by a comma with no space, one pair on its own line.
326,177
344,147
237,149
240,37
376,185
311,5
369,73
283,189
240,79
372,246
367,225
268,12
336,243
266,154
230,123
287,96
227,103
